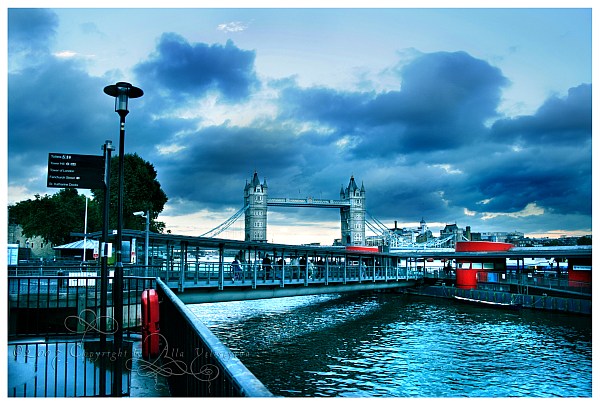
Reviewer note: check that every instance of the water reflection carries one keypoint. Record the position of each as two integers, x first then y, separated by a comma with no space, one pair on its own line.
392,345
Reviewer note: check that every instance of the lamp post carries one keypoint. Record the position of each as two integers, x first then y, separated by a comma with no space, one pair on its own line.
122,92
147,216
107,148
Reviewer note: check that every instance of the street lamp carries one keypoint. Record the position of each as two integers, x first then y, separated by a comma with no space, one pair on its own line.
147,216
122,92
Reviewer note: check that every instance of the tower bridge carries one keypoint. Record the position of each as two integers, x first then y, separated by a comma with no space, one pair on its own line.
351,205
353,218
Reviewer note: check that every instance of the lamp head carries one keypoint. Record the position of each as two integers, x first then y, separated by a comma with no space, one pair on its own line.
122,92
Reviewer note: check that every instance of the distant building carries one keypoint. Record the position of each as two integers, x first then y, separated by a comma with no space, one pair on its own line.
458,235
35,248
545,241
424,232
405,233
472,236
452,230
413,235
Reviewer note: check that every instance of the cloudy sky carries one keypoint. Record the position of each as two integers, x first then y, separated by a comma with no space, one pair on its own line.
479,117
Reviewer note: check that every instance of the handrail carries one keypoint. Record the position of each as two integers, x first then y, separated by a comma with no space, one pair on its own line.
181,329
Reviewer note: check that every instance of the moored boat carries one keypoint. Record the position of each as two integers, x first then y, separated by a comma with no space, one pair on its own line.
501,305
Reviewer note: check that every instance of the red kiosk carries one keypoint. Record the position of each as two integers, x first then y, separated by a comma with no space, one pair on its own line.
580,272
467,269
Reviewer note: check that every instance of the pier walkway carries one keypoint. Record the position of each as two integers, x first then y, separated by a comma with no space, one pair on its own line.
53,311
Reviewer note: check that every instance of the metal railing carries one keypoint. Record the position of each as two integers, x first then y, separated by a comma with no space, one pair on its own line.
532,280
560,304
64,367
59,344
255,273
196,362
51,305
439,272
52,270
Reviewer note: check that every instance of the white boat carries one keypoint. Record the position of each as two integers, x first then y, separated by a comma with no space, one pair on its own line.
502,305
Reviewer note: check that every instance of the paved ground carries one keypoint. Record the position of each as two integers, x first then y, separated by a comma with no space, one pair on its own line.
146,380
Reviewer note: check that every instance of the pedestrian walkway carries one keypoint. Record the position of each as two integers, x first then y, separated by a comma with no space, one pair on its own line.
145,380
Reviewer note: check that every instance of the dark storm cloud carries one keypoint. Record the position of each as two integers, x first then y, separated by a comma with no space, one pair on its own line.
545,157
53,105
450,88
559,121
222,158
179,67
443,103
544,160
30,30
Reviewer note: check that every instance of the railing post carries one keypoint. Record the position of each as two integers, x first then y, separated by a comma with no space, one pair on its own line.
360,269
306,270
326,269
374,268
169,259
221,268
182,264
385,259
197,269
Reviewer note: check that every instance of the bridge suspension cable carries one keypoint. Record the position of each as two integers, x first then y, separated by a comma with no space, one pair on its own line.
377,226
390,238
393,240
225,225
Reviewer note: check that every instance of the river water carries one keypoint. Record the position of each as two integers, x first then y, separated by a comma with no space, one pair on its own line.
394,345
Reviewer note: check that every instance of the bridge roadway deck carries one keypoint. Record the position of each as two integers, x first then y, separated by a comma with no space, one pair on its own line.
307,202
192,292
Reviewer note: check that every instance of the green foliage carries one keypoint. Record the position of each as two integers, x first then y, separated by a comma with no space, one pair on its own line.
54,217
142,192
584,240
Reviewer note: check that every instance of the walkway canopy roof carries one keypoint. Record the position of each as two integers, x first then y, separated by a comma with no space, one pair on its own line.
89,245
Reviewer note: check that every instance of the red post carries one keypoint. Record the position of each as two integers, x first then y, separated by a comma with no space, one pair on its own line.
150,328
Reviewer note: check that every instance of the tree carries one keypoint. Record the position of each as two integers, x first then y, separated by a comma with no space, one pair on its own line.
54,217
141,192
584,240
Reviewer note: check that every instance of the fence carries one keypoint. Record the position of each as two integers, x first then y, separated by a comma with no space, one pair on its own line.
57,346
64,368
254,273
198,364
51,305
524,282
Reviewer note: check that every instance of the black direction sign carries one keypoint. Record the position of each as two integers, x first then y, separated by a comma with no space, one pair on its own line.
66,170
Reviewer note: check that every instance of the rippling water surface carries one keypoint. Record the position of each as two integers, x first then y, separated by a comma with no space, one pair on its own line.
388,345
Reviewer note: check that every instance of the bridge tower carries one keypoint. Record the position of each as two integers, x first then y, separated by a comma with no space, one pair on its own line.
353,216
255,197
